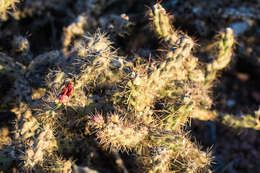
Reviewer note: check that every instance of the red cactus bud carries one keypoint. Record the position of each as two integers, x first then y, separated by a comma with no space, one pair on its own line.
66,92
70,89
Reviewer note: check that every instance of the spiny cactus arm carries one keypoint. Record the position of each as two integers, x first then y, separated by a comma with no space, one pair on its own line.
26,124
187,157
225,49
245,121
161,22
6,4
177,119
145,88
33,141
117,134
44,144
159,160
141,97
204,115
49,109
236,122
97,61
78,27
225,45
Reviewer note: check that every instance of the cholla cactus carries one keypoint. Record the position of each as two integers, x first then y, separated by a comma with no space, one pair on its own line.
145,105
178,77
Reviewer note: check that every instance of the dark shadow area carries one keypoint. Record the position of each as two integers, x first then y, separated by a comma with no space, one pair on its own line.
234,149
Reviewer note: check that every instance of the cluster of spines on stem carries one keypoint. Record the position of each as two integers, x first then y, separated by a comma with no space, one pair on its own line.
116,133
97,62
175,152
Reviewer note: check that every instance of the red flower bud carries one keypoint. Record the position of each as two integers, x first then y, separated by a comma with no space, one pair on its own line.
66,92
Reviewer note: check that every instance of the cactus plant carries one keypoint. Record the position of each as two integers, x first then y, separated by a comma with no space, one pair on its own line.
137,107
